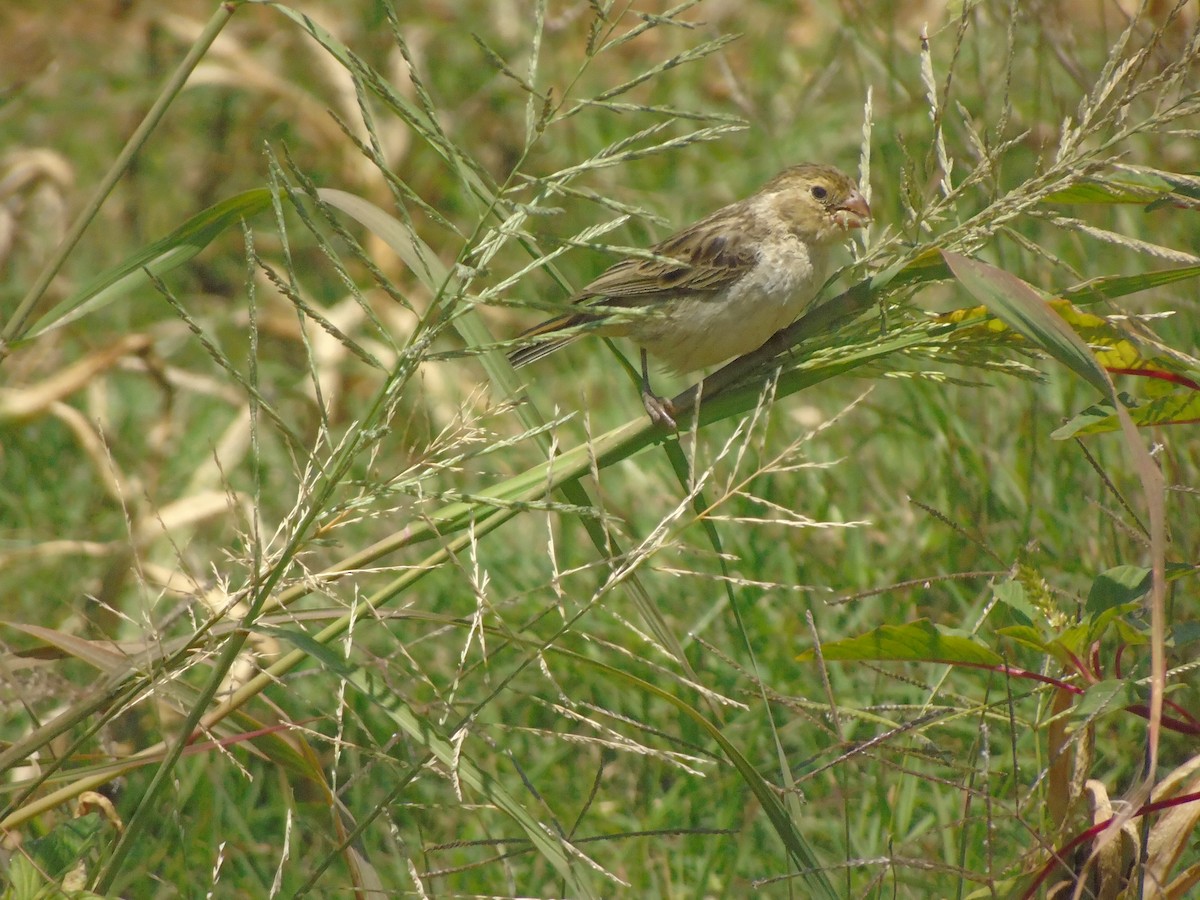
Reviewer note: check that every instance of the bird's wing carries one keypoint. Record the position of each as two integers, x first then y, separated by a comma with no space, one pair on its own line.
704,258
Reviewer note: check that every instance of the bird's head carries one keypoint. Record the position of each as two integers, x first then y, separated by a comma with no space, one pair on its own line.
818,203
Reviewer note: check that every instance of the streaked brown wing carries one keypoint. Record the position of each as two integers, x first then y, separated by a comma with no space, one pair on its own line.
703,258
710,255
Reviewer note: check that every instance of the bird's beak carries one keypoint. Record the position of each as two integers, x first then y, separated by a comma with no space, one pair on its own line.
854,213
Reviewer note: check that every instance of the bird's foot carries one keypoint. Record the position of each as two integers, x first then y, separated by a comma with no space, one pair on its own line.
660,410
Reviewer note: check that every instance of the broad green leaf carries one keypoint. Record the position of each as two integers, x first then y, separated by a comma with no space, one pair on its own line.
1012,594
24,880
1104,696
1025,635
1078,639
1120,351
171,252
1124,583
919,641
1183,633
1127,631
1117,586
69,841
1100,418
1026,311
1180,408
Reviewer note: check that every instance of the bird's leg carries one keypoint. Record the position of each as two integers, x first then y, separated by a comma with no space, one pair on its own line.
659,408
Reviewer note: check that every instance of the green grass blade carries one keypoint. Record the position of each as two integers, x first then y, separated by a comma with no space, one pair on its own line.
1024,310
158,258
428,736
403,241
1111,286
798,848
14,327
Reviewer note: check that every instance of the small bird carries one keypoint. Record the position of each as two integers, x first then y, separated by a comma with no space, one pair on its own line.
721,287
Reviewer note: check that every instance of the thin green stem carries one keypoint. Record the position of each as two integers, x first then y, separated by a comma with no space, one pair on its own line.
15,326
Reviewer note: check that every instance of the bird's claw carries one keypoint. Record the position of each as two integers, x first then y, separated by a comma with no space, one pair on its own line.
660,410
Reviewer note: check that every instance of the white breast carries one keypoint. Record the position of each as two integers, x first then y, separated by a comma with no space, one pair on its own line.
702,330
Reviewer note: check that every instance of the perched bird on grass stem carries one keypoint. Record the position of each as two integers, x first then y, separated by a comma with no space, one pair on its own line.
719,288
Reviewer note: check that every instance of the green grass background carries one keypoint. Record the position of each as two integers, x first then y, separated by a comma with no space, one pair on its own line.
917,485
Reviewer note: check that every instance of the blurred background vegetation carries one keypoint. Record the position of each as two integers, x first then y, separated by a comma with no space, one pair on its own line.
164,459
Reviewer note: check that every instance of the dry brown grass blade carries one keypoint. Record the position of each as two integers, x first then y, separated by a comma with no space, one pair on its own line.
24,403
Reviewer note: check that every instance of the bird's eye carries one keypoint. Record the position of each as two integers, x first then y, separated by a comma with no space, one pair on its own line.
818,192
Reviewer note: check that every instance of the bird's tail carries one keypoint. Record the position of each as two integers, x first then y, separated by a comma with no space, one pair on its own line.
552,338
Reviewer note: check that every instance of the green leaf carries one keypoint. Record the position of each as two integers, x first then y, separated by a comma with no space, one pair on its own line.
1102,697
1109,287
24,880
164,255
1117,586
919,641
1024,310
1176,408
1012,594
1130,632
1099,418
1118,187
1026,635
68,842
403,241
1078,638
1184,633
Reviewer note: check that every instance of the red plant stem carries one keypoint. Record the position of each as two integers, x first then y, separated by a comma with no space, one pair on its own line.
1082,668
1187,725
1061,854
1179,725
1030,676
1172,377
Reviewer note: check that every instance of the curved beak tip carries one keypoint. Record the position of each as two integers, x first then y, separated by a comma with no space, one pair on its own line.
857,210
